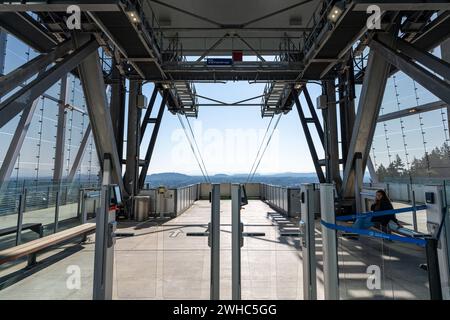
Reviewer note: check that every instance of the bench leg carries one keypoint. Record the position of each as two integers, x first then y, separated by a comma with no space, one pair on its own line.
31,260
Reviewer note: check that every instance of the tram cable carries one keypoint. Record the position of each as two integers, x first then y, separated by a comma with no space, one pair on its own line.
207,180
259,150
265,148
198,149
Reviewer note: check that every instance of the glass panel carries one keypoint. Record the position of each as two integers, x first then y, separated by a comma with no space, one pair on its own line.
271,266
162,261
381,269
66,270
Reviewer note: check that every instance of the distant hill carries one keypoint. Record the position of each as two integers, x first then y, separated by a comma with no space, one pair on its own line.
175,180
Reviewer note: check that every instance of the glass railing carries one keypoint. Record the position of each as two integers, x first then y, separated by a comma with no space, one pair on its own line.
49,206
45,215
371,268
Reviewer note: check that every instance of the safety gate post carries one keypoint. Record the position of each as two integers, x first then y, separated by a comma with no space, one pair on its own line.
330,262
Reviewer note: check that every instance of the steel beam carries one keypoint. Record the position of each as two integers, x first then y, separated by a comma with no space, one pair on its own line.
91,76
440,88
331,135
148,112
314,116
58,6
424,57
372,171
22,98
2,52
260,57
309,139
247,70
24,27
434,33
151,147
15,78
16,144
366,119
347,106
402,5
204,54
133,139
413,111
79,157
117,107
61,131
445,53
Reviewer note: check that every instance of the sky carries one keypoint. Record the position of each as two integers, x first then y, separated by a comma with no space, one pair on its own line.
229,136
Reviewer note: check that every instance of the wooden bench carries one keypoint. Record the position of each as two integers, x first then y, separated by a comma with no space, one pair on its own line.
35,227
31,248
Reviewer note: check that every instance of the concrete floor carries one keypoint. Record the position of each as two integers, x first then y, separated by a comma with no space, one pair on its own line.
161,262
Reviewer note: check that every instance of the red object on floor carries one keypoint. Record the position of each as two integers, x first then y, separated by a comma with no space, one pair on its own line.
237,55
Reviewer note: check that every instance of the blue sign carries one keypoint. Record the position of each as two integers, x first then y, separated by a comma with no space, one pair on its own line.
219,61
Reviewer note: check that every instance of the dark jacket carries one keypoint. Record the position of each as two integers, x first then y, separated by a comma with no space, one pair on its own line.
383,220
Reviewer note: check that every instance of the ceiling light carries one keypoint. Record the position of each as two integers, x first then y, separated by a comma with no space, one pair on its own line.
336,12
133,16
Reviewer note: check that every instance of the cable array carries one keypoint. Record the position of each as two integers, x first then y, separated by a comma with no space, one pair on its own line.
201,163
254,168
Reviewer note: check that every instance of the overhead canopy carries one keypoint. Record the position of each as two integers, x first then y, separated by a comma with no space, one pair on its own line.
199,24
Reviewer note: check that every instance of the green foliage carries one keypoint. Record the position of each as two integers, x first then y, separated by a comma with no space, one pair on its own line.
433,164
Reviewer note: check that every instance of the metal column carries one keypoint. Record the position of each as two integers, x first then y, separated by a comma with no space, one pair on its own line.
373,173
359,177
151,146
365,123
104,239
347,106
331,135
61,131
79,156
91,75
330,260
2,51
308,243
117,107
236,241
309,140
445,53
438,225
133,140
214,236
148,113
313,113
